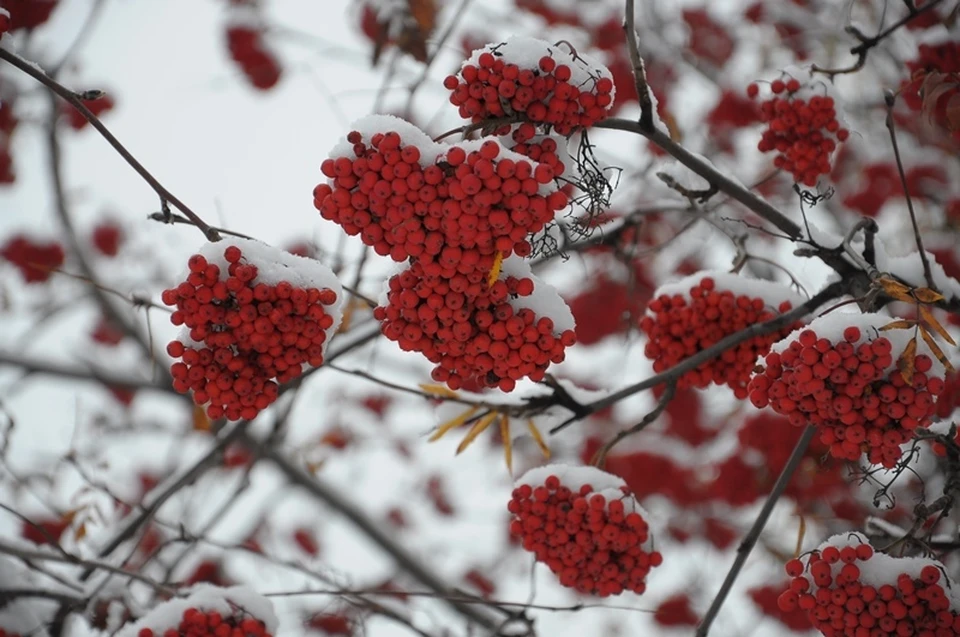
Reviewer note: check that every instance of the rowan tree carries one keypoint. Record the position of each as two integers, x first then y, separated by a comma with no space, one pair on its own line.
444,317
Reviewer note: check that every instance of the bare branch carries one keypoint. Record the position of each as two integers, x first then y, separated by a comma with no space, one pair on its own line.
743,551
74,100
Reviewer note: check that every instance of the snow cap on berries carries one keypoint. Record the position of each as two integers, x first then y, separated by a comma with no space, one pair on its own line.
237,602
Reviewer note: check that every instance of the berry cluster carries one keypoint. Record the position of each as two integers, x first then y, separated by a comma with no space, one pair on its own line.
454,213
256,61
408,197
196,622
469,328
597,542
4,27
534,81
36,261
694,314
245,331
846,588
850,390
803,132
3,632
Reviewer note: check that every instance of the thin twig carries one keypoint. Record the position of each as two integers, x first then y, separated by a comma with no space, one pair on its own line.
743,551
75,100
639,70
775,324
601,456
890,99
863,48
372,530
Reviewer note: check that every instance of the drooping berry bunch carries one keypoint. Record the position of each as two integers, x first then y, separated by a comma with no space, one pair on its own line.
255,59
35,260
695,313
586,526
525,79
846,588
254,317
409,197
802,128
472,329
841,376
4,27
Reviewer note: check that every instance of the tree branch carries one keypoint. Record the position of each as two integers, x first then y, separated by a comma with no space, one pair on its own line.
74,100
342,505
743,551
830,292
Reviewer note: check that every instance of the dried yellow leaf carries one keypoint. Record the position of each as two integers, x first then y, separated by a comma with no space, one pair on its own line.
441,391
538,439
453,423
495,270
478,428
507,443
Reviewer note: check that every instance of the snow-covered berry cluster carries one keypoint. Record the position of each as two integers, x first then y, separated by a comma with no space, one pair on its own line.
846,588
695,313
472,329
845,381
456,215
407,196
36,260
802,128
254,58
524,79
197,623
254,317
586,526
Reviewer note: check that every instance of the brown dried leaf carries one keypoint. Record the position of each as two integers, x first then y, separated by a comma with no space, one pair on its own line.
932,344
901,324
81,532
424,12
931,321
895,289
908,360
926,295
